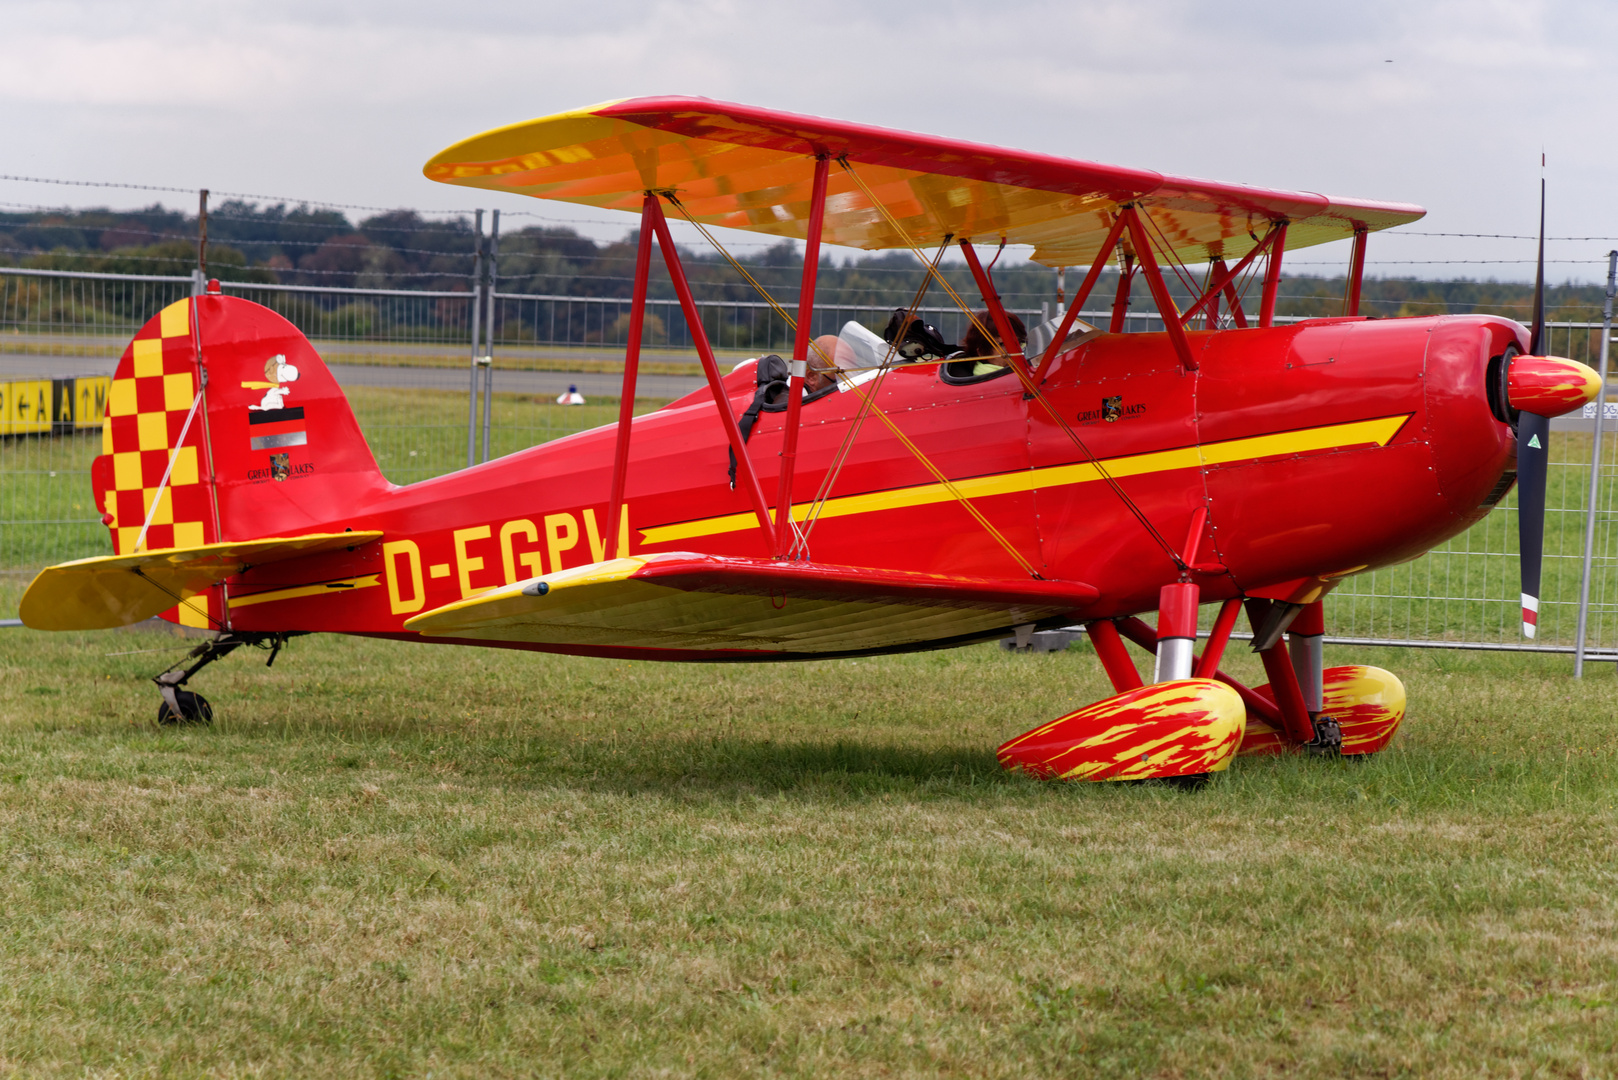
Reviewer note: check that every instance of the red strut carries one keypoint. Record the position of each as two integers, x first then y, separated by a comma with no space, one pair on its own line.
626,404
710,368
800,357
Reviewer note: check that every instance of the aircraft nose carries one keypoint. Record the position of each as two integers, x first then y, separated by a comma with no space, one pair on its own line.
1549,385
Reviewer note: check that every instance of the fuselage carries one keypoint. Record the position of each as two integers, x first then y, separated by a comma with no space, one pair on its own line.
1318,450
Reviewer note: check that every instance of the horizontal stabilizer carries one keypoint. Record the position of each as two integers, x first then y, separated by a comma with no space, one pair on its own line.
710,607
118,590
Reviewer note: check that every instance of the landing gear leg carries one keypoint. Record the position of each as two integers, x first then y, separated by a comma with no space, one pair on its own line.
181,706
1305,639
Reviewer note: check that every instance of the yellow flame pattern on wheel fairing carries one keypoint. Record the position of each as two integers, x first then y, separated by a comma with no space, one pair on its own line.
1179,728
1368,702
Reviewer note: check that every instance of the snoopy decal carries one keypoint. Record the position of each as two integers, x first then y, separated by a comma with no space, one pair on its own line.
277,372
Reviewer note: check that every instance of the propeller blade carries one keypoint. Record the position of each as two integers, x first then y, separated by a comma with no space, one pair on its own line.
1533,459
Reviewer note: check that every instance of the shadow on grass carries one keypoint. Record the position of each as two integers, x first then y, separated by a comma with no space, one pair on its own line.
848,768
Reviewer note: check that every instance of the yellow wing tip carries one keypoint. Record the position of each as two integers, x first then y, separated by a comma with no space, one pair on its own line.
463,160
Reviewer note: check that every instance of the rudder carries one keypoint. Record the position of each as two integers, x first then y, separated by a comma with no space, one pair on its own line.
270,445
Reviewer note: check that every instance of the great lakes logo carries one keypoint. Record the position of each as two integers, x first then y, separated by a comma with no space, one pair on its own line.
1112,410
281,468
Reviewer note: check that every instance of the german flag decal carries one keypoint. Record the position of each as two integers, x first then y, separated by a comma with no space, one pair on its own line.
272,429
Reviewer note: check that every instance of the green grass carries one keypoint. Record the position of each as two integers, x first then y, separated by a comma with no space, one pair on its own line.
390,859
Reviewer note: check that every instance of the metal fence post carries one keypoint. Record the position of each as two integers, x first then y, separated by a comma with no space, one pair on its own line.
477,310
202,234
488,328
1595,470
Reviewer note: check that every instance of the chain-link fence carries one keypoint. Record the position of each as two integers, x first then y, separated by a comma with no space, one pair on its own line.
405,360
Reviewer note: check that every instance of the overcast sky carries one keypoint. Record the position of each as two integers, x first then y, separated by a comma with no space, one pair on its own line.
1444,103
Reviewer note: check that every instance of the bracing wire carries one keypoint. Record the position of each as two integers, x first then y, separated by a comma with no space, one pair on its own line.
792,323
867,403
1166,252
1028,383
868,407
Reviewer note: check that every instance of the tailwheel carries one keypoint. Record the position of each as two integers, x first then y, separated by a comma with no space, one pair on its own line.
188,708
182,706
1179,731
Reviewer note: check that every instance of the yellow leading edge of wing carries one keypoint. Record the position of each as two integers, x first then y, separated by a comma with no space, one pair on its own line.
118,590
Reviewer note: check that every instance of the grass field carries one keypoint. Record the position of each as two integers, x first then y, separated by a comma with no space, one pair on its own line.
390,860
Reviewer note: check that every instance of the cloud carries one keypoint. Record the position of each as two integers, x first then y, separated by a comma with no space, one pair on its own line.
345,101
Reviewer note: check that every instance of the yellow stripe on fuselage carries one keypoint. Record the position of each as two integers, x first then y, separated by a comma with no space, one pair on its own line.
1330,437
346,585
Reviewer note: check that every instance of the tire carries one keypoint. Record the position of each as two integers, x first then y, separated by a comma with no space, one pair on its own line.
194,709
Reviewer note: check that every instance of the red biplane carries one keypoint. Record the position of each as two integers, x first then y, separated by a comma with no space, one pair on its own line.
919,501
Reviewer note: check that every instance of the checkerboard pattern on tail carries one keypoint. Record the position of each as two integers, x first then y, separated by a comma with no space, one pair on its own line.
271,449
154,390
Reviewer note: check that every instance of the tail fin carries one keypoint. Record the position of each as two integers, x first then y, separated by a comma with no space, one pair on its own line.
224,424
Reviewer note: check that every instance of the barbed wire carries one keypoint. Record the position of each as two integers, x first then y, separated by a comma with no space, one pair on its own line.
461,226
225,194
116,257
1454,262
464,229
1493,236
233,242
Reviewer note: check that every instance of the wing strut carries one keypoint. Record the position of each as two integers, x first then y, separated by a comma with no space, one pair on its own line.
1160,289
1224,281
710,367
868,404
1032,388
1120,301
1079,297
997,310
1356,273
1234,299
626,401
800,354
1272,274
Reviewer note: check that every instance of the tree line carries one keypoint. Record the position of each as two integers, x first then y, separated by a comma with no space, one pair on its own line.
401,249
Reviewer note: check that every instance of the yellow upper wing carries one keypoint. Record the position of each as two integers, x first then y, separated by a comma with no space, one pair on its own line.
748,168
